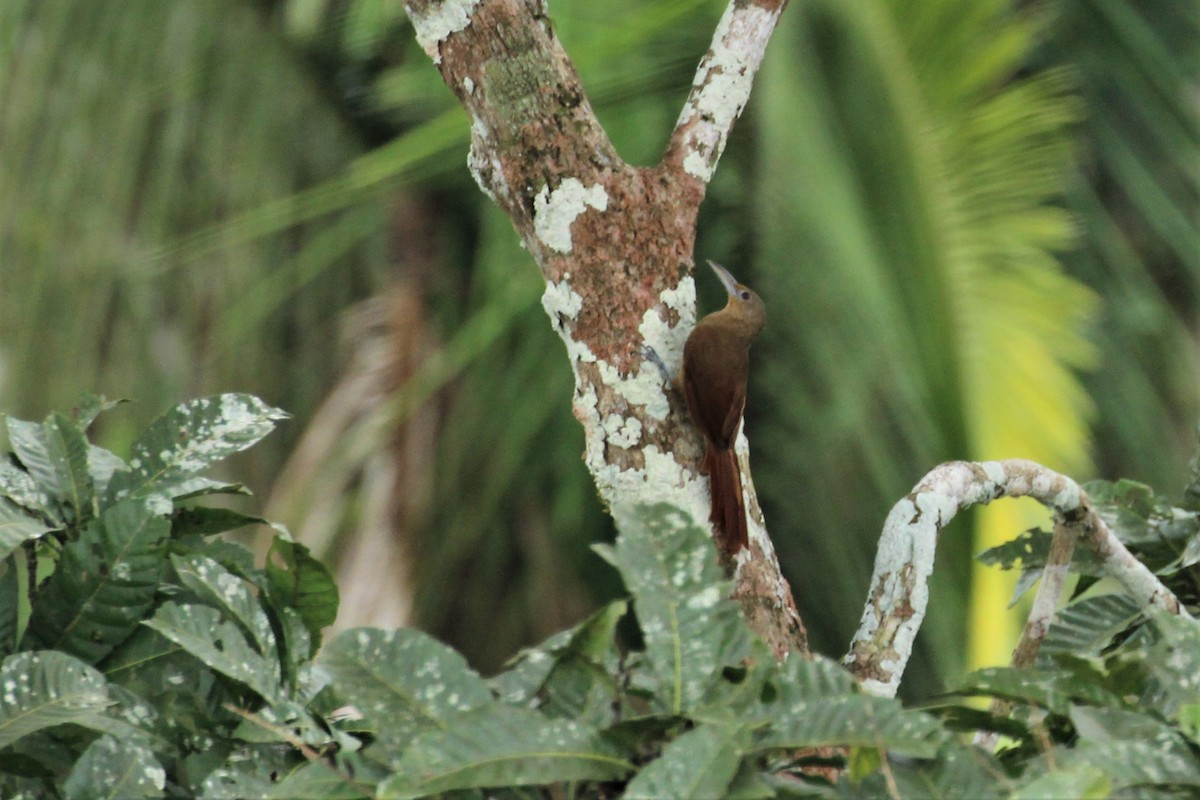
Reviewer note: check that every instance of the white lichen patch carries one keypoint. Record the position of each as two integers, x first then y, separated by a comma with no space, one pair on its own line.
697,164
437,21
657,332
153,775
661,479
561,302
484,164
555,211
622,431
643,388
1067,498
725,84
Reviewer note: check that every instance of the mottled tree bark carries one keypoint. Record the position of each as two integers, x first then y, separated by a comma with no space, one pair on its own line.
615,245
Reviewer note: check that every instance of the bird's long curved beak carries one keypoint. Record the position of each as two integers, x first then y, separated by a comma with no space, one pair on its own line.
728,281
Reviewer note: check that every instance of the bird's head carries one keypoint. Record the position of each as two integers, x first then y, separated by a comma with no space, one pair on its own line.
744,304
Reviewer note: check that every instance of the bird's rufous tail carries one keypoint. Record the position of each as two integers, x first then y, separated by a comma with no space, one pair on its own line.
728,514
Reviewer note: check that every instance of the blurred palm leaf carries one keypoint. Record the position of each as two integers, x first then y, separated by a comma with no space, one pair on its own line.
1137,194
918,311
128,128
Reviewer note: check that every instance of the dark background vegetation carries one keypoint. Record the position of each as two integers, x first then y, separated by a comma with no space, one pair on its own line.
975,226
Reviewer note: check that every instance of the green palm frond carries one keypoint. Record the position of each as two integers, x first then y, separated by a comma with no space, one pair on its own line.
127,129
1137,195
907,249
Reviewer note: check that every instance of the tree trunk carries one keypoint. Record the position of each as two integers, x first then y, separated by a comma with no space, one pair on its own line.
615,245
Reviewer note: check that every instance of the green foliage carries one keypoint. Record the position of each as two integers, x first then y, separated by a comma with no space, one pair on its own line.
1162,533
144,642
156,660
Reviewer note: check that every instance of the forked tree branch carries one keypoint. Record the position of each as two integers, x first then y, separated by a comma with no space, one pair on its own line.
899,591
615,245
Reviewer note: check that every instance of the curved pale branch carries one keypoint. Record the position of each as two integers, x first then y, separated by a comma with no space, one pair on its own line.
899,591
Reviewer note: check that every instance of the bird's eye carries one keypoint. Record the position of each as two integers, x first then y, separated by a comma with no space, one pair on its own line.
745,294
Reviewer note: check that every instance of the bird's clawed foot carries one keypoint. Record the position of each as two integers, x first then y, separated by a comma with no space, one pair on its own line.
650,354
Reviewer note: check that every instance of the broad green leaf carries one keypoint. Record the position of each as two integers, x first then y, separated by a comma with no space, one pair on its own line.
1175,661
129,718
203,487
1054,690
303,583
853,720
10,603
799,680
959,770
1148,523
102,465
1132,748
219,587
180,689
104,583
571,671
1078,781
91,406
28,441
42,689
67,449
700,763
528,670
402,681
231,555
17,527
691,628
189,439
110,769
499,745
1028,550
205,633
1189,721
316,781
204,521
17,485
254,772
1088,626
140,656
296,645
285,722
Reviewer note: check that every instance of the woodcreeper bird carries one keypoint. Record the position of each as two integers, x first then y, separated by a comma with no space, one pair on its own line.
716,364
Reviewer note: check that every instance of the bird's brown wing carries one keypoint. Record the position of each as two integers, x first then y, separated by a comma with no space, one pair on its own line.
714,384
